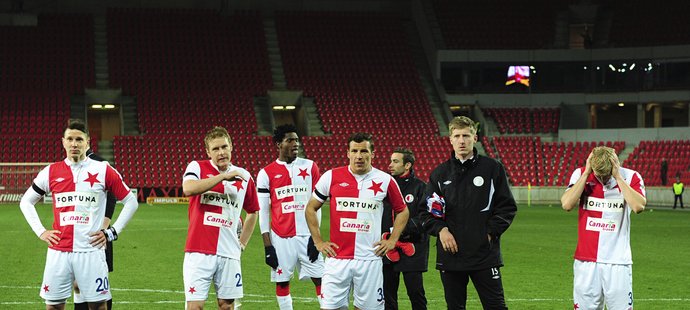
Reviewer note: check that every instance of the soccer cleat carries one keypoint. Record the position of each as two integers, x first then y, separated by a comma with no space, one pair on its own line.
406,247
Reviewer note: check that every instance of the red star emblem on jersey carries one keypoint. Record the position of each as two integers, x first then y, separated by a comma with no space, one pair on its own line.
238,185
576,306
46,288
303,173
279,271
376,187
192,290
93,178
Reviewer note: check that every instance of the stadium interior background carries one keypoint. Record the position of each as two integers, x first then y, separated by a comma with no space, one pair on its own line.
151,77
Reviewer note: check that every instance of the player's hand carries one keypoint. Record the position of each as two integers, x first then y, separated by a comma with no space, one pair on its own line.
312,251
447,241
271,257
98,239
232,175
615,168
588,165
327,248
51,237
383,246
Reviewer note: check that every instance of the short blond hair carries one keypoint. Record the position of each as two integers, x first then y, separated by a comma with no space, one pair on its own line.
214,133
602,160
460,122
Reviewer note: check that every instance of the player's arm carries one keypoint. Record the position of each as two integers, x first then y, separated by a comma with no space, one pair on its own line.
28,206
264,196
504,206
325,247
191,187
571,197
636,201
248,227
402,215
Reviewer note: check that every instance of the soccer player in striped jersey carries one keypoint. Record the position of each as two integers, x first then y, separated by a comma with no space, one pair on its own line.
284,187
218,192
76,241
355,248
605,194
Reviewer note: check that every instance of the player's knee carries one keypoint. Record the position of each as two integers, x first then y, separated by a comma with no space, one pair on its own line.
282,288
56,302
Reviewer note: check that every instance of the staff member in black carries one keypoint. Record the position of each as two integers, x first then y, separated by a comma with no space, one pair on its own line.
411,267
469,207
109,210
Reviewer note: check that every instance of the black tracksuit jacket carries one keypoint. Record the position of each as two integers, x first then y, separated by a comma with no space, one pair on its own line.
412,190
478,202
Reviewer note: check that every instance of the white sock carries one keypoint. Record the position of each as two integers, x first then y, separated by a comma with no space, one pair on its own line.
78,298
238,303
285,302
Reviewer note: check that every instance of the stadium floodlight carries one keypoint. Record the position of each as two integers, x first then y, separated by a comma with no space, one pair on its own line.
612,68
632,66
96,106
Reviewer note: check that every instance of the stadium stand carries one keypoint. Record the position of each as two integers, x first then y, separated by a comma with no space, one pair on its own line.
525,120
189,69
646,159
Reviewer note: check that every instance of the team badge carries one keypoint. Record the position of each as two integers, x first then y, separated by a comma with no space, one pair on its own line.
478,181
409,198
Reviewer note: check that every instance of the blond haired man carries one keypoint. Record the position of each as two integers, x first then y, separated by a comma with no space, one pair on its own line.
605,193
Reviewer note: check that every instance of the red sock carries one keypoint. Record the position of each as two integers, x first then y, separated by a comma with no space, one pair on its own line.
282,290
318,290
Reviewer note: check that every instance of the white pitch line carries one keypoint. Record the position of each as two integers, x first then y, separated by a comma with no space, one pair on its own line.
269,298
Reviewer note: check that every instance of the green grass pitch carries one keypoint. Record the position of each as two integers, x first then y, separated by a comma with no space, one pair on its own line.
537,251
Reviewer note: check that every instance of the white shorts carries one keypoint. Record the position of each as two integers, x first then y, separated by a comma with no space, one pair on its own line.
365,276
200,269
89,269
292,254
596,284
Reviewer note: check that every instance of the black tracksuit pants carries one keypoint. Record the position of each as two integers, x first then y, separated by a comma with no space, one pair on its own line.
413,283
487,282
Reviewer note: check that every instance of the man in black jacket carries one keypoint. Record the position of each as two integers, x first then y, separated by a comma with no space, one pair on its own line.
411,267
469,206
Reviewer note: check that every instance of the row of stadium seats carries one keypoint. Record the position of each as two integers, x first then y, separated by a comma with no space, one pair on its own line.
525,120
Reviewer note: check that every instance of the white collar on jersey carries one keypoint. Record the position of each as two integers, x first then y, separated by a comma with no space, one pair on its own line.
230,166
80,163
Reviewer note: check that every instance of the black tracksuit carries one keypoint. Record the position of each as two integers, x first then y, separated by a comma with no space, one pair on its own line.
411,267
478,204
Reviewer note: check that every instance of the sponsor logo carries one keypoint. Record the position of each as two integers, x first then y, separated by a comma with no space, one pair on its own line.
278,176
219,200
10,197
69,199
58,180
75,218
357,205
216,220
478,181
290,190
344,184
291,207
601,225
447,182
604,204
355,225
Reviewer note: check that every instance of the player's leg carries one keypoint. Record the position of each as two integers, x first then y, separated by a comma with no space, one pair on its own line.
91,273
391,281
587,289
489,287
367,283
79,303
336,283
307,268
57,279
287,254
414,283
455,288
228,282
617,285
197,272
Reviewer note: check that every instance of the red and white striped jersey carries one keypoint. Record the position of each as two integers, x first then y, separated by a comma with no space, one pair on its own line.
79,197
357,208
213,215
288,188
604,218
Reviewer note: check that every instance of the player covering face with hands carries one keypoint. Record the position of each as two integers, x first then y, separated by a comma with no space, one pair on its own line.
605,194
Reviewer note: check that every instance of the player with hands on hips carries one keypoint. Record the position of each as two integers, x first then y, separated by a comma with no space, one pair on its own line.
355,248
218,192
79,186
605,194
284,187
